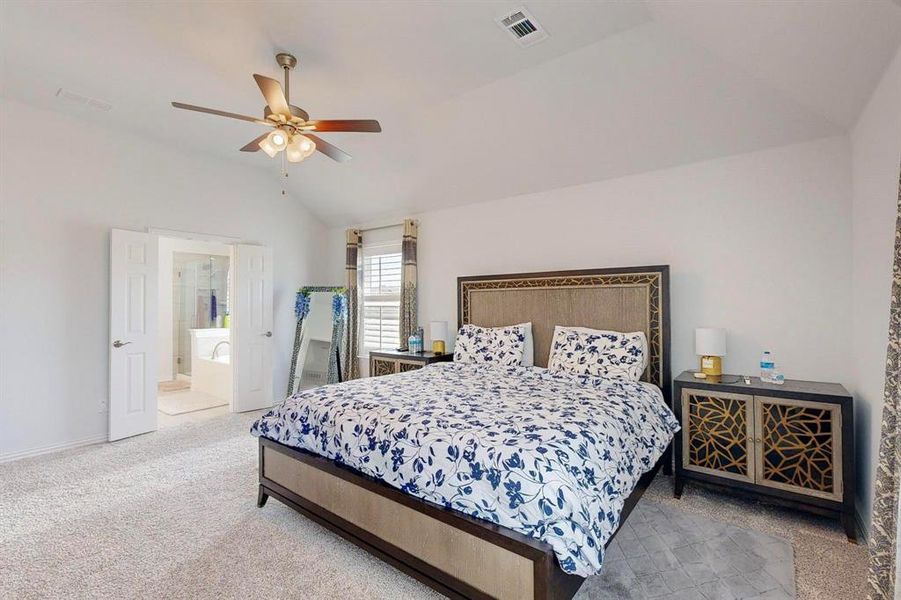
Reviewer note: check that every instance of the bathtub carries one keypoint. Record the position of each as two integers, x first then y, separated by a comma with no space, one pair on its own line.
211,375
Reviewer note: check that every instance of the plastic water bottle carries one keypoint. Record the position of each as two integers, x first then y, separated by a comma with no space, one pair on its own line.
414,343
767,367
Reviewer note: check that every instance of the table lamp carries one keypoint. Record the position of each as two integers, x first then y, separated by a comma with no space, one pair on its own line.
710,345
438,331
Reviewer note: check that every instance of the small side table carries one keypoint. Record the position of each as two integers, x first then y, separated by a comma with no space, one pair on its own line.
791,444
389,362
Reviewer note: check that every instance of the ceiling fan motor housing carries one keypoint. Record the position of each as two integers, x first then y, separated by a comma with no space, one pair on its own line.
295,110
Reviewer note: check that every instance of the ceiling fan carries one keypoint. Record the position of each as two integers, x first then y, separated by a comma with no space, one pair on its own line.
290,125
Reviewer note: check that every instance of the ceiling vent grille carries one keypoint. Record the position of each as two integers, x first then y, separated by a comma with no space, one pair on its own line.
522,27
76,98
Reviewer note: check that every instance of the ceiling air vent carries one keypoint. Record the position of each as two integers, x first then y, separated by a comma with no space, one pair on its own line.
76,98
522,27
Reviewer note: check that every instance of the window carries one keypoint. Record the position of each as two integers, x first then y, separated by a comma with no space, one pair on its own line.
380,290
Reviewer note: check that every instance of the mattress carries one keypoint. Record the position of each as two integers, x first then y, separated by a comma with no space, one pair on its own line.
551,456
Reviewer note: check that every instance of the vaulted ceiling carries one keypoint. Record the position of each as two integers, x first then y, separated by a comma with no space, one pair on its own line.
467,115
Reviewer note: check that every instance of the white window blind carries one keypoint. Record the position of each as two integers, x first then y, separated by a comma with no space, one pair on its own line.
380,288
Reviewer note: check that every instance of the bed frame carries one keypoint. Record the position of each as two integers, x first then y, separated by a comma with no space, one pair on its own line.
455,554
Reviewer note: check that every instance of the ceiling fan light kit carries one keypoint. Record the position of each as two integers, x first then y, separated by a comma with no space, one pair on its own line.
301,147
291,125
274,143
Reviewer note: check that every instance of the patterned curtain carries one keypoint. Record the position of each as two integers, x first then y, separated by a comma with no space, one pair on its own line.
408,317
351,368
883,533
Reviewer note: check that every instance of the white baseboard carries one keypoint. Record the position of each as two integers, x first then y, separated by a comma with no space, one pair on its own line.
94,439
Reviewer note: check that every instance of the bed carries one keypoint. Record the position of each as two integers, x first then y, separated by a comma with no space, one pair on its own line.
480,481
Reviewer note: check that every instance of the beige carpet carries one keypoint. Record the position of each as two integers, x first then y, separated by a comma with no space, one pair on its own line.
172,514
178,403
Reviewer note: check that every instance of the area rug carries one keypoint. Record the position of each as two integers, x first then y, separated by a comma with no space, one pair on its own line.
179,403
663,552
175,385
172,514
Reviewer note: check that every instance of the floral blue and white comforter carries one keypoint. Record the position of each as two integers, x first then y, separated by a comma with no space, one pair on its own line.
551,456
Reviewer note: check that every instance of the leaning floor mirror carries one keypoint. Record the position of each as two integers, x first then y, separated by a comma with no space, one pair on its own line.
321,313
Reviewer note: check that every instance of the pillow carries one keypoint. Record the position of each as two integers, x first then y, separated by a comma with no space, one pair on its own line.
583,351
501,346
528,349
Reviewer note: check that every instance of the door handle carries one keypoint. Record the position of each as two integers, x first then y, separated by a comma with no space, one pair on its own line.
119,344
268,334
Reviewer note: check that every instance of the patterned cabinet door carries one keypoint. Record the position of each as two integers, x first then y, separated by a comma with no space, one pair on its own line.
799,446
405,366
717,434
381,366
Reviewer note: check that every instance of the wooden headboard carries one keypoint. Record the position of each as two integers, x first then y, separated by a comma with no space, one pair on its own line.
627,299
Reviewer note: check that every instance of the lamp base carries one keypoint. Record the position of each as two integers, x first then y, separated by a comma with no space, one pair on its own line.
712,366
438,346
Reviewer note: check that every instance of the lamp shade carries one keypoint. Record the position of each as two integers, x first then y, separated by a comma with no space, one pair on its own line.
274,143
438,330
710,341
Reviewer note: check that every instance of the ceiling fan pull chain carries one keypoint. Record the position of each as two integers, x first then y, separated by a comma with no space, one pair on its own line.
284,169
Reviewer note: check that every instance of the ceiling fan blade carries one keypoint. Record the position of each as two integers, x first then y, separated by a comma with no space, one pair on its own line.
332,152
220,113
362,125
254,145
275,97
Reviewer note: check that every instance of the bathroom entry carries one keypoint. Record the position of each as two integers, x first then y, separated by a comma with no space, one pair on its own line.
190,329
195,374
200,302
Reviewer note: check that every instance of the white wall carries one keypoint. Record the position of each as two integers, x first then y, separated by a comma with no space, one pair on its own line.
756,243
63,185
876,155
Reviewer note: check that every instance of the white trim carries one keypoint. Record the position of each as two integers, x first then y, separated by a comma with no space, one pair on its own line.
88,441
194,235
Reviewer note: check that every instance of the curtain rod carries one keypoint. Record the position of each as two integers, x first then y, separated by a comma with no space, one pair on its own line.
401,224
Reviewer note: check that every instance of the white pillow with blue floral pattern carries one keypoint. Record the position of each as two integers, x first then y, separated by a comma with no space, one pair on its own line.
583,351
502,346
528,349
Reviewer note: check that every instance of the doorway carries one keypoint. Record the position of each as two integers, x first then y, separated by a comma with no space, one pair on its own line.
195,374
188,313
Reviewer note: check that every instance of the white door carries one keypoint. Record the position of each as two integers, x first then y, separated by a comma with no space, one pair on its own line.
252,328
133,330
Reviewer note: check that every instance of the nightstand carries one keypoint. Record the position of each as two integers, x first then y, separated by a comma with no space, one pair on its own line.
790,444
389,362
